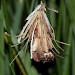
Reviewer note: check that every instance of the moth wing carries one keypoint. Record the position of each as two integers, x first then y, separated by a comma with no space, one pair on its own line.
23,30
30,23
46,19
37,8
28,18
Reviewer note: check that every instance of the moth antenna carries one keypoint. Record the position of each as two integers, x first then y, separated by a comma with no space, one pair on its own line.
58,45
20,42
12,35
51,9
62,43
18,54
57,54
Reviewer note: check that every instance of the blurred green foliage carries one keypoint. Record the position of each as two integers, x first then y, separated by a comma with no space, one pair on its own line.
12,20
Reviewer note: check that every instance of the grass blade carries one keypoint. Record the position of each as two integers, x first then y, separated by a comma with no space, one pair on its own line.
2,61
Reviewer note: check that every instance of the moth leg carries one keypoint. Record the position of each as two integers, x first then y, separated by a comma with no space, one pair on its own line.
19,53
56,49
58,45
53,38
12,35
25,49
21,41
57,54
52,45
17,36
57,40
62,43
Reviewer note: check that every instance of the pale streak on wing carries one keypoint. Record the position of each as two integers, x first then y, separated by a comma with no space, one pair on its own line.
47,21
45,42
32,40
31,44
30,16
29,23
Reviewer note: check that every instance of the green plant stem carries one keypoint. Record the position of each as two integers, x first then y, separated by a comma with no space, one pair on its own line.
7,21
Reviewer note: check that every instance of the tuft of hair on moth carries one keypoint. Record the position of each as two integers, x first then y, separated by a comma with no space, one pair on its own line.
40,34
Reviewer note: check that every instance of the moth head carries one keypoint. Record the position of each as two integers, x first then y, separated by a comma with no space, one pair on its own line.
43,6
49,56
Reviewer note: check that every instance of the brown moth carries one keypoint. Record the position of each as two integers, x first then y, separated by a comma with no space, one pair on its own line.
40,34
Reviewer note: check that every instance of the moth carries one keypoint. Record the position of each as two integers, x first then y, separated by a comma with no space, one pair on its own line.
39,32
